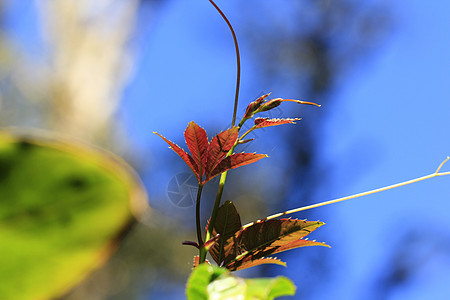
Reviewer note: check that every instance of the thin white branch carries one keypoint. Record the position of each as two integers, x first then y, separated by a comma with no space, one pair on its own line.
393,186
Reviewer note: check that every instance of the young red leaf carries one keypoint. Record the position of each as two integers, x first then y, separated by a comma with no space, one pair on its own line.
197,142
219,147
235,161
266,122
184,156
228,222
267,238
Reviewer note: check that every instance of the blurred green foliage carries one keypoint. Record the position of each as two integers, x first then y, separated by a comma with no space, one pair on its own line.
63,208
210,282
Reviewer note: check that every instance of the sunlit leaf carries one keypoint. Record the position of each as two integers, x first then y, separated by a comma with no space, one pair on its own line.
184,156
239,248
226,288
267,238
210,158
266,122
235,161
197,142
63,209
262,261
201,277
218,148
269,288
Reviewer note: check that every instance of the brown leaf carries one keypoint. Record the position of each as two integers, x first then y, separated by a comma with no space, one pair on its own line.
228,222
260,261
267,238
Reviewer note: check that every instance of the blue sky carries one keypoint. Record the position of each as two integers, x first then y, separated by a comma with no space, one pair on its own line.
393,117
389,123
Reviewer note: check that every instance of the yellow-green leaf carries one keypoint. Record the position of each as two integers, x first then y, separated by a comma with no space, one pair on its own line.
63,208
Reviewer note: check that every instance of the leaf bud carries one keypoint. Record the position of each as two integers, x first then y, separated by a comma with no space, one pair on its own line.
270,104
253,106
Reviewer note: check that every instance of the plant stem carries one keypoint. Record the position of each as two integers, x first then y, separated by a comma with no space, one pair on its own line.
223,176
212,221
238,61
197,216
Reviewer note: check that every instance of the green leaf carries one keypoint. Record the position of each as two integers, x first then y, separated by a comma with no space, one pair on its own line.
210,282
226,288
63,210
269,288
200,278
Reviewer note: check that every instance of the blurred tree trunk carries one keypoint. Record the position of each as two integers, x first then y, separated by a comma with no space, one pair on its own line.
74,84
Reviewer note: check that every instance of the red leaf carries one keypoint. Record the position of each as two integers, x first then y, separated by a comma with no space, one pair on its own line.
266,122
197,142
184,156
235,161
219,147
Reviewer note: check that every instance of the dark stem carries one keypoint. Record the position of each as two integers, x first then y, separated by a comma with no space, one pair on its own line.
197,215
212,221
238,61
